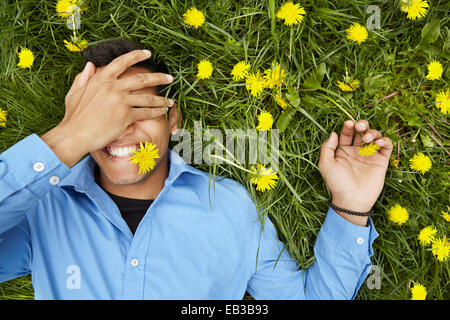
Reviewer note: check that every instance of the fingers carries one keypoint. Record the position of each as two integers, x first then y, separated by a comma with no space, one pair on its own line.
142,80
83,77
346,137
386,146
361,127
120,64
146,113
327,151
147,100
372,135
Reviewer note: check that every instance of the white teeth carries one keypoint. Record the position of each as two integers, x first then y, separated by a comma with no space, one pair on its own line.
122,152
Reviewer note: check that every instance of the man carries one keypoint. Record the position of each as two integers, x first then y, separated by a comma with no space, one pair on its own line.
97,229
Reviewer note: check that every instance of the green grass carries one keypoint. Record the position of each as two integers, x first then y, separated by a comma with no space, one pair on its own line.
316,54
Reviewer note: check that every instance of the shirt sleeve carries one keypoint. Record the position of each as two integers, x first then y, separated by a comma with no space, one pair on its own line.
342,254
15,252
28,170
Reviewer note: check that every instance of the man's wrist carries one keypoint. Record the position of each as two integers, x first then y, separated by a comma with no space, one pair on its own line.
352,206
64,144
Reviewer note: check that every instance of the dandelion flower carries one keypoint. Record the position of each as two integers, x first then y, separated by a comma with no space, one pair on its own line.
291,13
145,157
66,8
398,214
280,101
395,163
205,69
435,70
255,83
274,76
349,86
441,248
26,58
357,33
265,121
426,235
420,163
240,70
418,292
264,178
194,17
443,101
77,46
414,8
2,118
446,216
368,150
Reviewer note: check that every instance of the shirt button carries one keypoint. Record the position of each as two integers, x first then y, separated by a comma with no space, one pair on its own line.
54,180
360,240
134,262
38,166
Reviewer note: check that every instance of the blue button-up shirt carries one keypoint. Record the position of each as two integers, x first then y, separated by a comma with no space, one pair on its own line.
196,241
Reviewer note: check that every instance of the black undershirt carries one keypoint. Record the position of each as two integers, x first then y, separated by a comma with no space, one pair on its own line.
132,210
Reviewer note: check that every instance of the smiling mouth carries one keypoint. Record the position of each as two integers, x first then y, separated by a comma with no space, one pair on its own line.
125,152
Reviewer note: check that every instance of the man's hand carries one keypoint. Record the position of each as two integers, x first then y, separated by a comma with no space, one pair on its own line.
355,182
100,107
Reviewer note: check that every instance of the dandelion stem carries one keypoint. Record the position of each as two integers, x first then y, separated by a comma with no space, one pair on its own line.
434,130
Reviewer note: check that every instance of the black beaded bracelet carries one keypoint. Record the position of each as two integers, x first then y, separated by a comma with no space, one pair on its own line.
355,213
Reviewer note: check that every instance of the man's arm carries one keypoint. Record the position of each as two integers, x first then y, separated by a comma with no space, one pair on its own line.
342,254
27,172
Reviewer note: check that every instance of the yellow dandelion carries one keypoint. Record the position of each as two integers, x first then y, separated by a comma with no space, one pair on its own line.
291,13
435,70
426,235
255,83
420,163
2,118
274,76
445,215
194,17
357,33
145,157
349,86
368,150
414,8
264,178
205,69
77,46
26,58
395,163
240,70
443,101
418,292
280,101
66,8
265,121
398,214
441,248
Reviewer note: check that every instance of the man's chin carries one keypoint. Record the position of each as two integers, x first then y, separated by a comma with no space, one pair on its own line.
126,180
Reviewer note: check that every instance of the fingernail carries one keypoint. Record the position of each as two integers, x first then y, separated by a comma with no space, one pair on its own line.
146,52
171,102
369,137
169,77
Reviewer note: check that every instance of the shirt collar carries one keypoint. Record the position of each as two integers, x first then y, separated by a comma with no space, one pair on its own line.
81,176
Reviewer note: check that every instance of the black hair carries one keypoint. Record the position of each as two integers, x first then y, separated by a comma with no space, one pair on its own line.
104,52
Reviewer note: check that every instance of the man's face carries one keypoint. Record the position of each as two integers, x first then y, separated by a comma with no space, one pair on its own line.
118,169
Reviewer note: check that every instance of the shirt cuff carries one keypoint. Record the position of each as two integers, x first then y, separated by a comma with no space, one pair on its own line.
31,163
348,236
